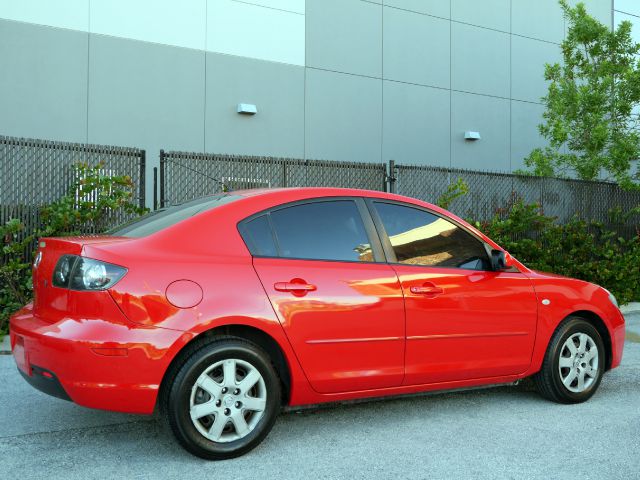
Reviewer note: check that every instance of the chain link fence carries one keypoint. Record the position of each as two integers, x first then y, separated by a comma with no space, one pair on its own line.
490,193
37,172
186,175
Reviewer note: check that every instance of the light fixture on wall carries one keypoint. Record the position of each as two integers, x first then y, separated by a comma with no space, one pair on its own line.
247,109
472,136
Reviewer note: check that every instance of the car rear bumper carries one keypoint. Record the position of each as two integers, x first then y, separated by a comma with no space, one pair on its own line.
93,362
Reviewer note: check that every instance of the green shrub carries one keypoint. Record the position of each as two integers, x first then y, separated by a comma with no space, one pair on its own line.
581,249
90,206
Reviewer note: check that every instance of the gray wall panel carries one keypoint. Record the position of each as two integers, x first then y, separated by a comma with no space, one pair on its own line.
416,124
490,117
344,36
145,95
600,9
479,60
528,58
540,19
627,6
343,117
43,84
525,118
416,48
438,8
487,13
278,92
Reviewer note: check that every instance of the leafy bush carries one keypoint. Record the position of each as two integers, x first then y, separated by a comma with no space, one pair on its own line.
581,249
90,206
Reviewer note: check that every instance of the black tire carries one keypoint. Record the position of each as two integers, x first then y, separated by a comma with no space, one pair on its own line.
548,380
176,396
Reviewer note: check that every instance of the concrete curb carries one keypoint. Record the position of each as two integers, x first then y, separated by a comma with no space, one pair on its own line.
633,307
5,346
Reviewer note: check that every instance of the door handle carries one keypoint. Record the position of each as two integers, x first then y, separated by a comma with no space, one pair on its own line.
296,286
427,289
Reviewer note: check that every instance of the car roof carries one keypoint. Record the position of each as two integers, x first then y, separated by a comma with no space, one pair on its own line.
315,192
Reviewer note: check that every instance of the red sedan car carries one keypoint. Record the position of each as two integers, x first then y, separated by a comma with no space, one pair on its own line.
223,310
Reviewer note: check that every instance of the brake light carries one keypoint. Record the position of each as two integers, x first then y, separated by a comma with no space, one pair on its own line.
81,273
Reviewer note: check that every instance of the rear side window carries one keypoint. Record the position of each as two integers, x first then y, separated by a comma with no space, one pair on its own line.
322,231
421,238
258,236
327,230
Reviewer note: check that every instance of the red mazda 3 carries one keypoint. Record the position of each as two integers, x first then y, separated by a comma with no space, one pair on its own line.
225,309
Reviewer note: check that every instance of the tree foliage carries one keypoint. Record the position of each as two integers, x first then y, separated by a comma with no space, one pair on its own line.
591,120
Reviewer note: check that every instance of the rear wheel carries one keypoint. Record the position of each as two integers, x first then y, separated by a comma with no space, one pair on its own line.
573,364
223,400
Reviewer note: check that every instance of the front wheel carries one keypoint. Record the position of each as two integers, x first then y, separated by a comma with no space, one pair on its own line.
573,364
223,400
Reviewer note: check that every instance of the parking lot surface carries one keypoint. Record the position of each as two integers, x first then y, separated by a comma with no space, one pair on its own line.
505,432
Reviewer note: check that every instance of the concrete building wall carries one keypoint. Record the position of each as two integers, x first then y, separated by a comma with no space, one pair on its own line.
332,79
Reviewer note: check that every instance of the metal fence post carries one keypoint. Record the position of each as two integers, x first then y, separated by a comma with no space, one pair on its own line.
391,176
143,172
155,188
162,167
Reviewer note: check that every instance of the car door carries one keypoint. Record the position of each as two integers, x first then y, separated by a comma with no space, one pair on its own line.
341,305
464,321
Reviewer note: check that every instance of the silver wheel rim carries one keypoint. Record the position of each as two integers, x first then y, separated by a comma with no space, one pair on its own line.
228,400
578,363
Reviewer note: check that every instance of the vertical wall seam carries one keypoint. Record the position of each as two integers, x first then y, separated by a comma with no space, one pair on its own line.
382,83
88,69
304,86
450,90
204,52
510,152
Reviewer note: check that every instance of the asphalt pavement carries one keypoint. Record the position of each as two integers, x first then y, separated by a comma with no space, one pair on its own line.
505,432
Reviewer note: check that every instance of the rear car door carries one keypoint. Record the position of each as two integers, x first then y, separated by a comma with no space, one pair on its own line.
341,306
464,321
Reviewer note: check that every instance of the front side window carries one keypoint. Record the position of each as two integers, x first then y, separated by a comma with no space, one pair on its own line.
422,238
331,230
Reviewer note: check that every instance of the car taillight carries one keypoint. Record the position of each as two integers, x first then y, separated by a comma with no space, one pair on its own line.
81,273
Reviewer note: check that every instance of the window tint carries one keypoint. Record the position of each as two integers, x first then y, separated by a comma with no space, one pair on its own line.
165,217
322,231
421,238
258,237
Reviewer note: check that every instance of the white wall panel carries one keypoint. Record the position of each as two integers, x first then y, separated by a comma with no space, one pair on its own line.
180,23
72,14
247,30
296,6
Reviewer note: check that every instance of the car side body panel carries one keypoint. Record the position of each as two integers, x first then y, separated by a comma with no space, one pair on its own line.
152,322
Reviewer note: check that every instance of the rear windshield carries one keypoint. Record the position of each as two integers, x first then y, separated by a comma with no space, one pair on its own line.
165,217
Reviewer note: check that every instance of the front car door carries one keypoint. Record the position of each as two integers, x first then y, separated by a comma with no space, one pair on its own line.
341,306
464,321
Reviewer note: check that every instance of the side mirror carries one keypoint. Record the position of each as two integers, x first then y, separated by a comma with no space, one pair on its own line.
498,260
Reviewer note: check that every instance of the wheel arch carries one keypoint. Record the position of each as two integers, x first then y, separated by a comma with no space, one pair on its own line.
597,322
247,332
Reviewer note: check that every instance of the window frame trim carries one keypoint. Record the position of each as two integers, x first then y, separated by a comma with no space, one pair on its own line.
365,216
387,248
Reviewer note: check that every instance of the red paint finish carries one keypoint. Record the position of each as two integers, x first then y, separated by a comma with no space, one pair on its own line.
468,324
184,294
346,330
